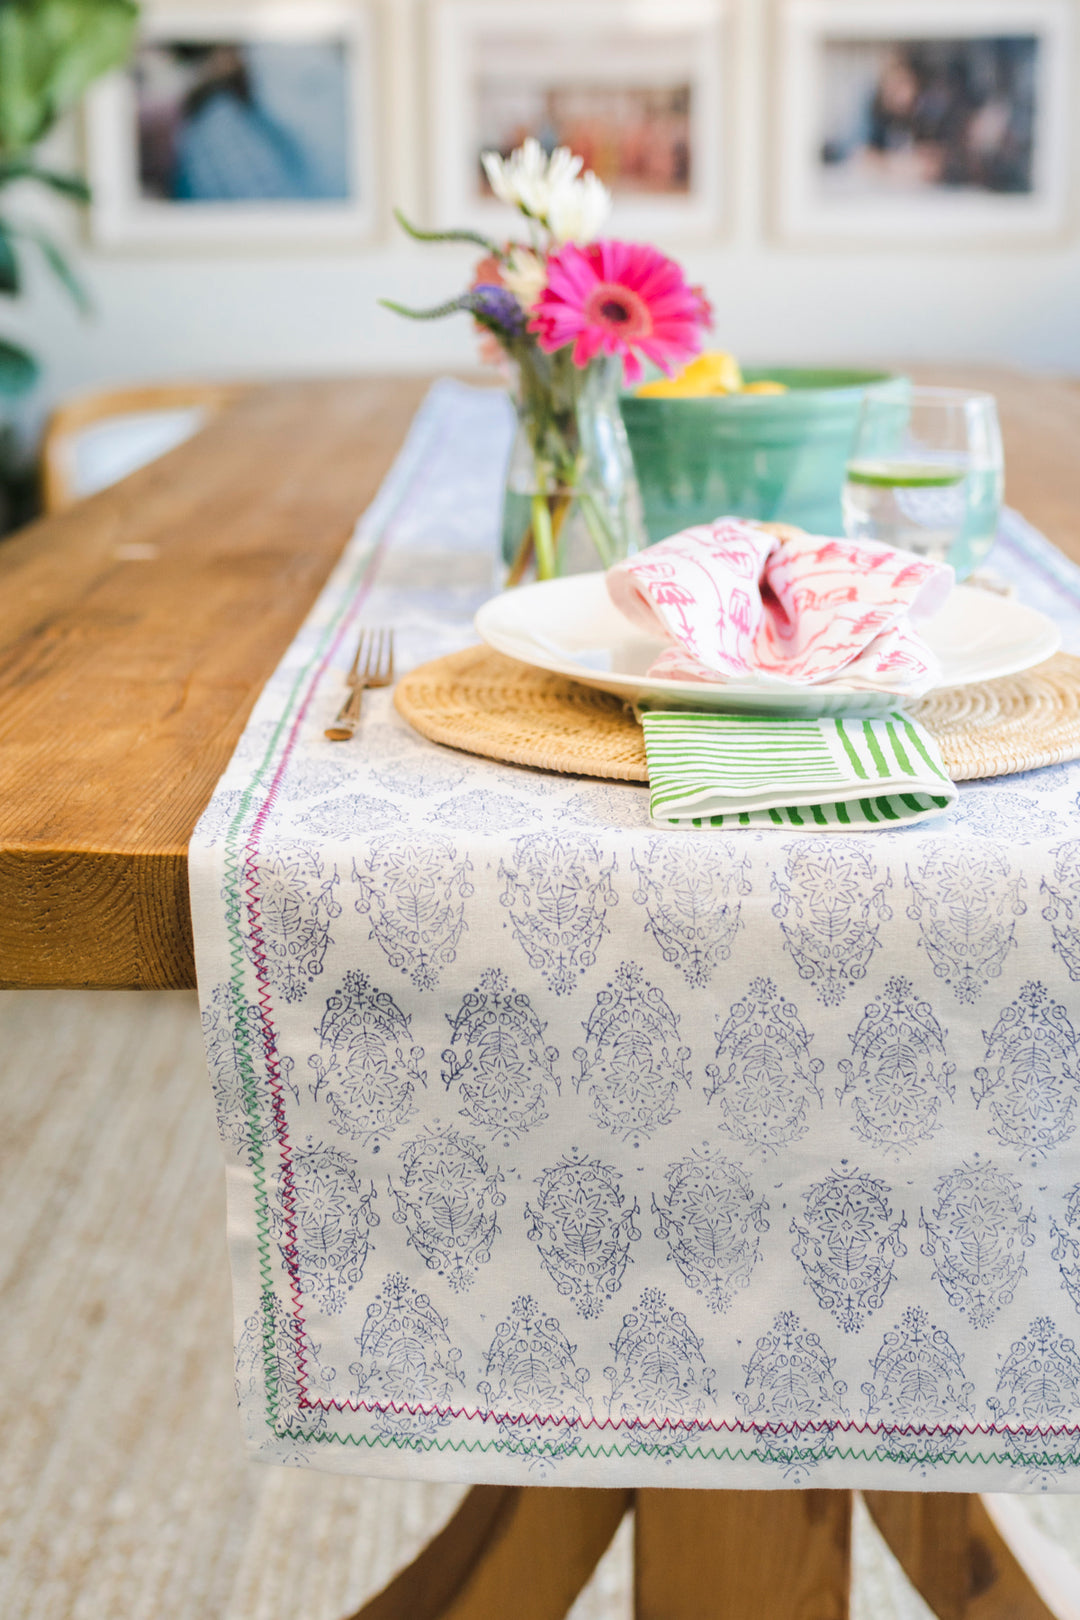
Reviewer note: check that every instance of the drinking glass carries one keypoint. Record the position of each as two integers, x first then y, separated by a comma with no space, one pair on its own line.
926,472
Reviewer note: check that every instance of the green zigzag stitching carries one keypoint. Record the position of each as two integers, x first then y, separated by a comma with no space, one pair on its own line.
419,1443
424,1443
231,887
236,954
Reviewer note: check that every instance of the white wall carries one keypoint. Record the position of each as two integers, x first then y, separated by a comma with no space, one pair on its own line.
227,314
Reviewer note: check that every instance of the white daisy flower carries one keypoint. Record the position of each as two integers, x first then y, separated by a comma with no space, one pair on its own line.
579,211
525,275
524,178
551,190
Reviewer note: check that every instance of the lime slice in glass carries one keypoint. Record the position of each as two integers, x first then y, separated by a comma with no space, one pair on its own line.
905,474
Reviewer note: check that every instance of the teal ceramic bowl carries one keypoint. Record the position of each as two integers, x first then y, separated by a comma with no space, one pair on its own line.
778,457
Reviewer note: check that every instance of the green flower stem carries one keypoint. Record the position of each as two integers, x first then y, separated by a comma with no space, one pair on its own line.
521,560
543,538
561,507
598,529
473,237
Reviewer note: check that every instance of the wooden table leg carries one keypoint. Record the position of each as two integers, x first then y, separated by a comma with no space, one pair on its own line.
954,1556
509,1553
742,1555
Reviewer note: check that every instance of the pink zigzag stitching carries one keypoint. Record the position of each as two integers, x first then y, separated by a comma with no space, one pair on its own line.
270,1050
691,1425
251,850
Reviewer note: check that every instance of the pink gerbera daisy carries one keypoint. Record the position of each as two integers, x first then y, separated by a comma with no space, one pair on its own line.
619,298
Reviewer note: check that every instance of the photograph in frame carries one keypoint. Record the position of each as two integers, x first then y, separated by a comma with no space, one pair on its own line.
634,89
244,123
922,120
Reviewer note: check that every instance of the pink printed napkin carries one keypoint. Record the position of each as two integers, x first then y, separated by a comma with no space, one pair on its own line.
740,602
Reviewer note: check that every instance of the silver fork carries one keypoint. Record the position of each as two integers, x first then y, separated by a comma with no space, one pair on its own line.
372,666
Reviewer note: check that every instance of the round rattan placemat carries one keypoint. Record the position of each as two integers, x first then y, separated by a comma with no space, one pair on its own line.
483,703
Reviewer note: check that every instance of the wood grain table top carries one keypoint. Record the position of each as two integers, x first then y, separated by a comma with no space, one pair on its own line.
138,628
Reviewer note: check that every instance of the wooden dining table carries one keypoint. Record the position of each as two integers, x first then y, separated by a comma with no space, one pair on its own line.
136,631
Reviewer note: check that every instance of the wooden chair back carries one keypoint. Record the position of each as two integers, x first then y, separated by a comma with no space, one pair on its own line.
72,418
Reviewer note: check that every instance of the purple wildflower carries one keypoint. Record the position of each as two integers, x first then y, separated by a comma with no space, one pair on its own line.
497,306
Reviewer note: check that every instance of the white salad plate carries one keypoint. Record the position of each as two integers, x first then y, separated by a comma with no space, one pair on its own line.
571,627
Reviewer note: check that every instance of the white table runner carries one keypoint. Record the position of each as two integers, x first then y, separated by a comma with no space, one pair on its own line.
565,1150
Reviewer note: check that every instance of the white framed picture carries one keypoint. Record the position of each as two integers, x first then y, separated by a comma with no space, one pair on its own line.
238,124
926,121
634,87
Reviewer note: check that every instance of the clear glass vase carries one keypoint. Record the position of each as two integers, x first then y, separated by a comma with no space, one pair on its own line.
572,503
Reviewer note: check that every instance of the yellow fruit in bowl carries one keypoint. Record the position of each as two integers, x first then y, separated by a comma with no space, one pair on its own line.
669,388
714,373
711,374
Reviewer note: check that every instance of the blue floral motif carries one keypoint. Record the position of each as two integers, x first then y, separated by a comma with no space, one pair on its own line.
965,900
1050,779
1066,1250
898,1075
371,1067
917,1383
1014,818
530,1367
1038,1390
769,1081
791,1397
529,1376
407,1368
831,905
692,890
711,1220
848,1244
520,779
296,907
307,776
224,1061
219,816
659,1369
413,889
482,812
419,775
447,1199
498,1060
608,805
976,1238
329,1235
583,1230
268,1365
1033,1091
1062,909
557,892
349,815
234,1040
631,1063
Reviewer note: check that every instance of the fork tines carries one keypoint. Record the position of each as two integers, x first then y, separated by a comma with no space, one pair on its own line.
373,665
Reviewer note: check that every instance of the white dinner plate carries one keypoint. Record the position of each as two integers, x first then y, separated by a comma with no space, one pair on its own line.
571,626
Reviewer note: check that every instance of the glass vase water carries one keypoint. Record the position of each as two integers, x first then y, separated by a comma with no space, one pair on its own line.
572,503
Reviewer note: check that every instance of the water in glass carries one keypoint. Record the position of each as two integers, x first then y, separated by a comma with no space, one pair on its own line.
926,473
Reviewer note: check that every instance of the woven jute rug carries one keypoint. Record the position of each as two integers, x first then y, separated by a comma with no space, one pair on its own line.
483,703
124,1490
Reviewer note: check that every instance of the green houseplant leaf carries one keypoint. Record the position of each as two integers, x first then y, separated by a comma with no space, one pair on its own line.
57,263
50,52
18,370
9,263
67,185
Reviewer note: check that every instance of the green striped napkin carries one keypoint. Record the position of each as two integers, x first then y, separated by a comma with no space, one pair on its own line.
825,772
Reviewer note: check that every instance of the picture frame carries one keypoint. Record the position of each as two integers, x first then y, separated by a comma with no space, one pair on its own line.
929,122
636,87
236,125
